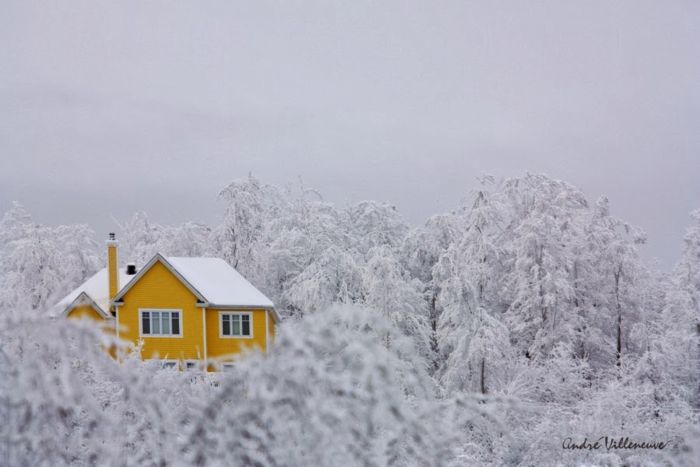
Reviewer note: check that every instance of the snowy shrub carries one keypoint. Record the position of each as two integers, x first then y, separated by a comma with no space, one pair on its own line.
341,388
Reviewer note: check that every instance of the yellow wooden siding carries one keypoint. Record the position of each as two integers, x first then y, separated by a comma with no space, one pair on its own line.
85,311
225,348
159,288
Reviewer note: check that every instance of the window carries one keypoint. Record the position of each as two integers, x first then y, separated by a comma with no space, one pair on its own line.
228,366
236,325
169,364
191,365
160,323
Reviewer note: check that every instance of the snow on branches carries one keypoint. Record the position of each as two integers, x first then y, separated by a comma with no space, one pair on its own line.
485,336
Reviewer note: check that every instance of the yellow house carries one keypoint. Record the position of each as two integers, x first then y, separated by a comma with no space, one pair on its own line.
188,312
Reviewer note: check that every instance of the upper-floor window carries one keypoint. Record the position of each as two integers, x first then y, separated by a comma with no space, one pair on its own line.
236,325
160,323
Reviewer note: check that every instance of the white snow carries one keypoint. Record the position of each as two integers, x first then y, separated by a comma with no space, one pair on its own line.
97,288
529,304
218,282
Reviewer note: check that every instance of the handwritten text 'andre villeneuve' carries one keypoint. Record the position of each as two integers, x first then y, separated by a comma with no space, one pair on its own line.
610,443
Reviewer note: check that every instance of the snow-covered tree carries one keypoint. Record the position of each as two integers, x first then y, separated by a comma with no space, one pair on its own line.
479,338
376,225
250,207
140,239
330,394
388,290
39,263
49,418
671,341
333,277
544,213
481,358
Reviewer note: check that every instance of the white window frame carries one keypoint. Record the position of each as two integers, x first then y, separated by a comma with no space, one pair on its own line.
161,336
235,313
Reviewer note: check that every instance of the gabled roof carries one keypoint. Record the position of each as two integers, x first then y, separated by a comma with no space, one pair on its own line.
96,289
158,258
220,284
212,280
85,299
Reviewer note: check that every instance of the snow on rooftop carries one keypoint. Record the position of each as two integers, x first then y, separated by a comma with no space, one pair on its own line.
218,282
97,287
214,278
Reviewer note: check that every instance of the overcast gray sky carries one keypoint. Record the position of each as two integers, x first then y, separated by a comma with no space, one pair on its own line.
111,107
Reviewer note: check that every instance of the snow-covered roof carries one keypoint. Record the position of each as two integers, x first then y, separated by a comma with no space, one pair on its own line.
212,280
96,288
218,282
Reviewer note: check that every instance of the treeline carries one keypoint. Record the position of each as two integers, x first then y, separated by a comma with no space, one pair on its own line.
529,299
